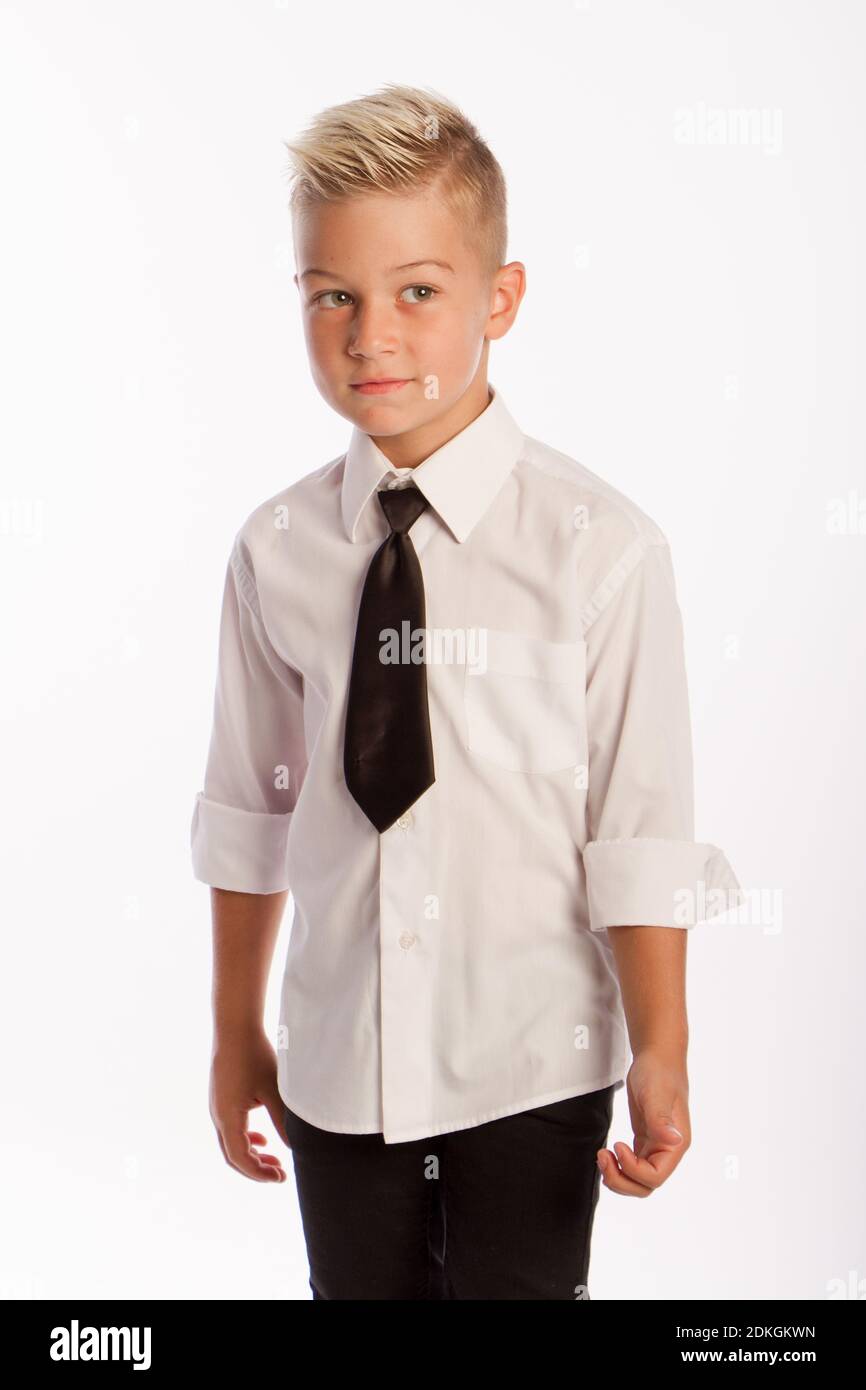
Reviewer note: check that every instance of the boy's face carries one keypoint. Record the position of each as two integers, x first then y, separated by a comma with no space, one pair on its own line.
370,315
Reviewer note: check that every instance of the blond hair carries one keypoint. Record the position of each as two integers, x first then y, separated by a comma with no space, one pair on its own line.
399,140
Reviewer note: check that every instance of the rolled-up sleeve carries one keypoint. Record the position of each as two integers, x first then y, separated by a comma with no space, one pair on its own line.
256,761
643,866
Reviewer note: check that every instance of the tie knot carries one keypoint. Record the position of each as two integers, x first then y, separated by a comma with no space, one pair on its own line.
402,506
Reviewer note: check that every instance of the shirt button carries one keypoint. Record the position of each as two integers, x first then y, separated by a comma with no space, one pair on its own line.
407,940
405,820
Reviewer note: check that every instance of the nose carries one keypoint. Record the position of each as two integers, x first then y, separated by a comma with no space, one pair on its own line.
373,331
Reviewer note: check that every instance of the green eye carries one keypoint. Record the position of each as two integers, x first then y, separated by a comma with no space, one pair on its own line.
429,292
320,297
425,293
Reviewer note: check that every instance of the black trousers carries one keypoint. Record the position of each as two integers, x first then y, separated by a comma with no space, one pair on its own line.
503,1210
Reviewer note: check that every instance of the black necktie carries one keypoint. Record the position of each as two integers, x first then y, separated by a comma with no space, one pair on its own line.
388,753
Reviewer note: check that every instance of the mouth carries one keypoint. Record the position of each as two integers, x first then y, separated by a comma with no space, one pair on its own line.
379,386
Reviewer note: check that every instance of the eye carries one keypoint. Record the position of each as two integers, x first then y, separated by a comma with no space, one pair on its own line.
429,293
324,295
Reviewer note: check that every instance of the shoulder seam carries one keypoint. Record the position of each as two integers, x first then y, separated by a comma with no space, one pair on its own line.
244,579
642,525
615,578
278,498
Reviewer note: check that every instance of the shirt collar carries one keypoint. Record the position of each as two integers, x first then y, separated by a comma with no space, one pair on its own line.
460,479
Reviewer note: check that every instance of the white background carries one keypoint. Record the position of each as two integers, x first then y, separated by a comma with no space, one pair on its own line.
693,331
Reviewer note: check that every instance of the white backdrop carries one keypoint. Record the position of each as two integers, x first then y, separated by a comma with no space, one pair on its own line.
686,191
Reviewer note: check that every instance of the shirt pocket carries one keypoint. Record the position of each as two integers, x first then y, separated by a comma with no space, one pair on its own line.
526,708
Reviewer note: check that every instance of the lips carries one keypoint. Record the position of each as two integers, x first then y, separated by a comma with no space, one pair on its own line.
380,386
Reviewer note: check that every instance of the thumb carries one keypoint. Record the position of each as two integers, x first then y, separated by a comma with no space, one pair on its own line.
660,1135
660,1125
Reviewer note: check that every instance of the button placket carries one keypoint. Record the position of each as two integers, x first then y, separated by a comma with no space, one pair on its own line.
407,976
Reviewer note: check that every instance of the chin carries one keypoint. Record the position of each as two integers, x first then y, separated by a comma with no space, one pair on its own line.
393,413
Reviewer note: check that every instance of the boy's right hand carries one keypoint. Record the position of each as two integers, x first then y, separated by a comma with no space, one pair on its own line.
243,1076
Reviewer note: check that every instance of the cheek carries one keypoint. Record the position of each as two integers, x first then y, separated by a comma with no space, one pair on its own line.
326,342
445,336
319,332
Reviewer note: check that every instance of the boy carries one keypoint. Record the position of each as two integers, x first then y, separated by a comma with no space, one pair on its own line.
451,717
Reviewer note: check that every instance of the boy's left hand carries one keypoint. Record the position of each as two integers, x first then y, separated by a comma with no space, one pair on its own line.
658,1102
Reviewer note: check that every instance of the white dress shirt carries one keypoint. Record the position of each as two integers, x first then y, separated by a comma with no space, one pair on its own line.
457,967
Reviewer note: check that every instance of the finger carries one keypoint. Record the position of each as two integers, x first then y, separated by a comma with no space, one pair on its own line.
661,1131
665,1122
240,1154
268,1160
651,1170
613,1178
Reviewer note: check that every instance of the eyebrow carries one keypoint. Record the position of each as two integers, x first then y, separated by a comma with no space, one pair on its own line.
409,265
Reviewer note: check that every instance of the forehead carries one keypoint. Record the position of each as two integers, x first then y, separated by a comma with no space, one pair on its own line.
378,232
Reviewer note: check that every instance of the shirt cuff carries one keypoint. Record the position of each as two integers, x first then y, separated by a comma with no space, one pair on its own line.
657,883
244,851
